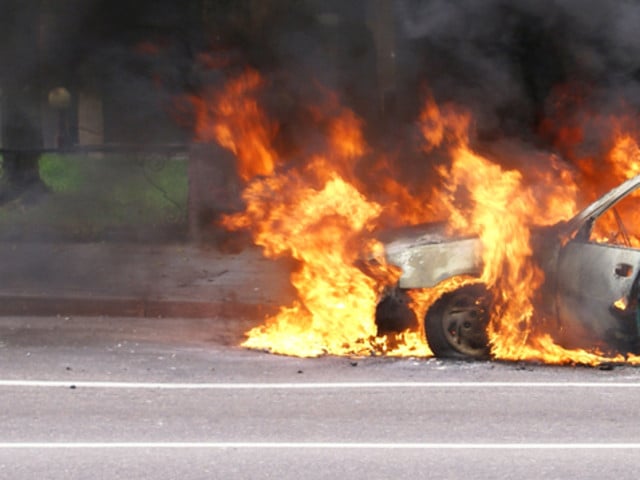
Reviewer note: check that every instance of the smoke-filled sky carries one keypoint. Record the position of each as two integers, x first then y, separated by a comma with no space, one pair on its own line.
507,60
504,58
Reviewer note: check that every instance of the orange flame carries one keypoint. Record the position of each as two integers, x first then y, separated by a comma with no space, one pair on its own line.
501,211
323,229
316,215
337,305
235,120
623,160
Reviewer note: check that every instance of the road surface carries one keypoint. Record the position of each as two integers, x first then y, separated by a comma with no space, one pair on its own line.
171,398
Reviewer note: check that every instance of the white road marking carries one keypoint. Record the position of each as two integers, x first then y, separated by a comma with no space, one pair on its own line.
319,445
305,386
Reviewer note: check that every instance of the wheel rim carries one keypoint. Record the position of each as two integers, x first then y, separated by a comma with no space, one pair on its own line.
464,323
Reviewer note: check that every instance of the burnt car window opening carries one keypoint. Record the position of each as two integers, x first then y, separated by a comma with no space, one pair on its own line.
619,224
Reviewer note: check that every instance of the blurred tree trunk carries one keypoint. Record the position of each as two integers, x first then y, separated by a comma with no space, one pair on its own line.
21,96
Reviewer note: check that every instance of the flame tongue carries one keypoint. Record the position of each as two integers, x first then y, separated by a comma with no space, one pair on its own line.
497,208
321,228
500,216
316,216
234,119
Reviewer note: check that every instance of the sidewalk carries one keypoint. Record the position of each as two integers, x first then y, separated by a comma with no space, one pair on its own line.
116,279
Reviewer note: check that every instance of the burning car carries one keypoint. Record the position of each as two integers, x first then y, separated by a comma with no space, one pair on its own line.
588,298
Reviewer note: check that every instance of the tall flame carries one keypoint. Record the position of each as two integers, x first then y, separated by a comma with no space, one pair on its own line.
316,214
320,228
499,213
498,208
235,120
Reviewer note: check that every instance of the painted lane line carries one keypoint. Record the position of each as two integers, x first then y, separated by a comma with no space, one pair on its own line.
318,445
305,386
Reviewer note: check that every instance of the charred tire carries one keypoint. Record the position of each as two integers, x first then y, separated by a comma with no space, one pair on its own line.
455,326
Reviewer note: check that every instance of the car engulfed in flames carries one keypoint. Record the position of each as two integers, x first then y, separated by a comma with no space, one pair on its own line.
488,256
588,299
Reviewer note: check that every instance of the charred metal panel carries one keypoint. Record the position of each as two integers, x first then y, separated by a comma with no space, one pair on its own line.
427,264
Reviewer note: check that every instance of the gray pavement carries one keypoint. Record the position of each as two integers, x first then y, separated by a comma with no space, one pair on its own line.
120,279
158,398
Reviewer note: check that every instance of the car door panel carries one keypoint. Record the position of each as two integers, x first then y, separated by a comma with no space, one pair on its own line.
594,285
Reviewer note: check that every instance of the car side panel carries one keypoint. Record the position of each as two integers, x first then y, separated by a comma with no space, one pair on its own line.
591,278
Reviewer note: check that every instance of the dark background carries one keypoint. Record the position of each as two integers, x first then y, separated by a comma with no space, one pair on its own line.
526,69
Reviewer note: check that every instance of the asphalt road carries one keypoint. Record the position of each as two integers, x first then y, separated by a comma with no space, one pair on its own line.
171,398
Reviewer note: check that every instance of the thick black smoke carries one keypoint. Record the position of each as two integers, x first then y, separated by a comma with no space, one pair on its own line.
507,60
510,62
523,68
136,56
503,59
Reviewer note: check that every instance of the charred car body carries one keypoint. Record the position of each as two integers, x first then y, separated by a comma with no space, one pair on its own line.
589,297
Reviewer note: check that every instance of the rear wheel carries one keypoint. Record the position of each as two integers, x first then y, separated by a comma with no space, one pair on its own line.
455,326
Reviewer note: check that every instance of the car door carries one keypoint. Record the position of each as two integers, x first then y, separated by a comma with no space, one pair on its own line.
597,274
